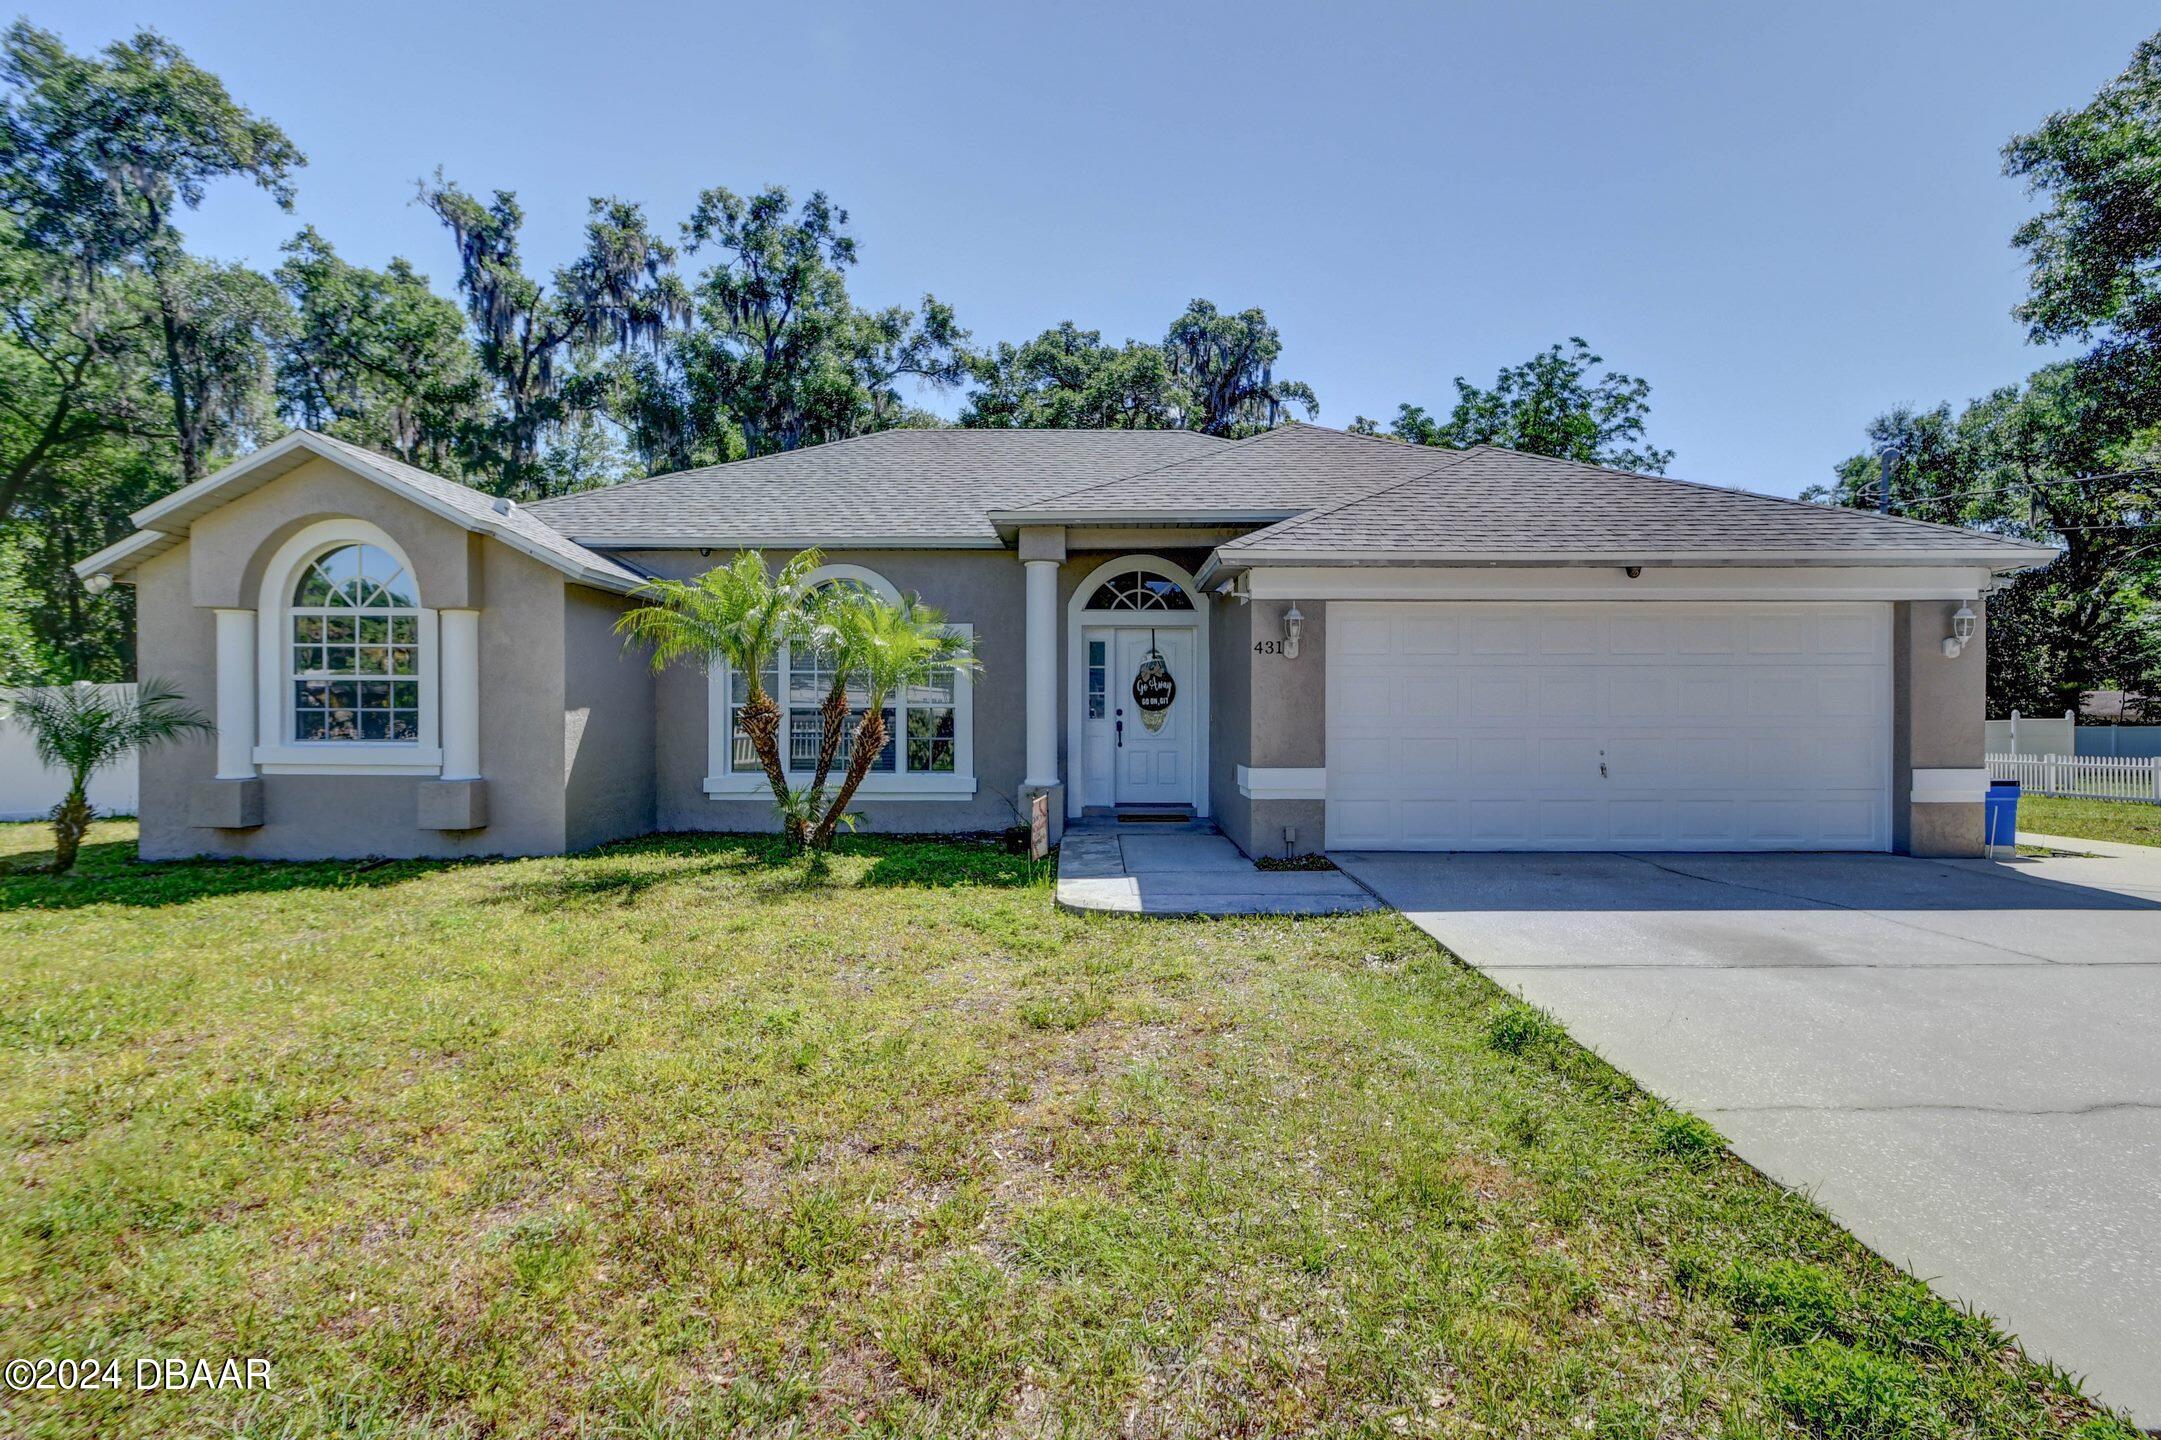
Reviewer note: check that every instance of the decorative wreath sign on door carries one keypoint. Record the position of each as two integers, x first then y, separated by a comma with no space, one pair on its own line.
1153,687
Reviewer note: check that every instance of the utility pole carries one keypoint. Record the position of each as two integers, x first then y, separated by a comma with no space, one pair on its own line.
1887,473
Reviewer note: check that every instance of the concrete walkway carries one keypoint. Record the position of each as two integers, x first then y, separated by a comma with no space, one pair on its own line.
1188,870
1960,1060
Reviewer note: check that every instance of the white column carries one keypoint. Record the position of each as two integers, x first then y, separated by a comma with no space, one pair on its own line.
236,694
1042,673
458,646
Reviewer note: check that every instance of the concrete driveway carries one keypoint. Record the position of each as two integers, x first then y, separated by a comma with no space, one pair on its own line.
1961,1060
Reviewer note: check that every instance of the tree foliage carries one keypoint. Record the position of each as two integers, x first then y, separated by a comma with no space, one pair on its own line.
1552,405
1211,372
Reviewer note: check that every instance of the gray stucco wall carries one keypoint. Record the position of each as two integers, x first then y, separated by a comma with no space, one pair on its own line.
1230,740
982,588
1281,724
1939,713
608,720
522,719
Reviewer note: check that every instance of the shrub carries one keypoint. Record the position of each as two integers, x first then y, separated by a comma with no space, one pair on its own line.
1515,1028
1685,1137
1845,1394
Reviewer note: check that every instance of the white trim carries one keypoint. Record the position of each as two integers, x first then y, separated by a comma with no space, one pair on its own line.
237,694
458,667
686,541
1283,782
2011,556
1039,620
278,754
1079,617
354,758
871,580
1950,787
752,785
178,508
121,550
1815,583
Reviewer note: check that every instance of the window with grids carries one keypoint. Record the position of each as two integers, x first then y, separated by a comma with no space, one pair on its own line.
355,649
919,724
1139,590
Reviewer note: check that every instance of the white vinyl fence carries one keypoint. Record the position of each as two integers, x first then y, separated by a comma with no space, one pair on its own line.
28,791
2086,777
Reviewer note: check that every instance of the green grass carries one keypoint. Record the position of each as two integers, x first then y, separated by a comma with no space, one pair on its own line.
2126,821
685,1138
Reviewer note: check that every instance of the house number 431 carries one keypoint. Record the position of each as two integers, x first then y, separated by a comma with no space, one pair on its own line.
1268,647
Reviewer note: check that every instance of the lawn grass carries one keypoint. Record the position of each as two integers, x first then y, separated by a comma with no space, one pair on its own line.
686,1138
2126,821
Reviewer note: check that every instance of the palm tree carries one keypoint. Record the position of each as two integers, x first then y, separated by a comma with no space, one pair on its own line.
82,728
889,647
738,614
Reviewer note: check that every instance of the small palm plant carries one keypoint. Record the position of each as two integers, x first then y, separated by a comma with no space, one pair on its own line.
738,615
82,728
887,648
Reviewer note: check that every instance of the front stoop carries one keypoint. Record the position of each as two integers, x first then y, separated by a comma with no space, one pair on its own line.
1137,870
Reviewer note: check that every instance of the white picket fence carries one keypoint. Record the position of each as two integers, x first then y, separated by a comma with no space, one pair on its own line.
2085,777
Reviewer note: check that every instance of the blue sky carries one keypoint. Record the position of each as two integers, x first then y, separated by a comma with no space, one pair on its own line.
1787,218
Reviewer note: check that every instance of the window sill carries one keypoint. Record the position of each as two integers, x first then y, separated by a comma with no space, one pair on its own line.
338,757
874,787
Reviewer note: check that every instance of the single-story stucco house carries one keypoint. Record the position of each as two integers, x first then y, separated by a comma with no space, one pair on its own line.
1368,645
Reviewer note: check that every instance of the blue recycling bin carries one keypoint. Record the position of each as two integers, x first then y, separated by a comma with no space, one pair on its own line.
2000,813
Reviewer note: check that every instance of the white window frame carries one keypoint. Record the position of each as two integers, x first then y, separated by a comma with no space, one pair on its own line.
276,752
724,781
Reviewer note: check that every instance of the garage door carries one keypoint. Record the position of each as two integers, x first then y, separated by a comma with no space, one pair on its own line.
1633,726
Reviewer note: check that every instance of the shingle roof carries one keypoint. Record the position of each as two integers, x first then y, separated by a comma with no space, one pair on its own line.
906,486
1502,503
515,521
165,523
1280,472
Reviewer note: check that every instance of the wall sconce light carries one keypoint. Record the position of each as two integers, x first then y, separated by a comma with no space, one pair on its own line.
1961,632
1294,630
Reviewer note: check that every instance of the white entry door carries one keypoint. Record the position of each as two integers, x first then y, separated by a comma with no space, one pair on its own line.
1153,766
1610,726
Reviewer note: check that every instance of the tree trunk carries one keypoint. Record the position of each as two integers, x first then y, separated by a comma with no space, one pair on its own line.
184,432
760,718
869,740
71,817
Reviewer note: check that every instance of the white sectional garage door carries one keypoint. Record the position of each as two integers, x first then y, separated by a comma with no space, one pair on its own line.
1608,726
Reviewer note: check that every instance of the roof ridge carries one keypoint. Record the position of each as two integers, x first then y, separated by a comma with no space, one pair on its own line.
890,432
1166,465
1792,500
1455,457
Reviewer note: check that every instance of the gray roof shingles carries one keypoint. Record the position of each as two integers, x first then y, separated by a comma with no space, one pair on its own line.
1501,502
516,520
895,485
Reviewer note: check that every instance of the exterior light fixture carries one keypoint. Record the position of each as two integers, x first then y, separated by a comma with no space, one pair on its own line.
98,584
1294,630
1961,632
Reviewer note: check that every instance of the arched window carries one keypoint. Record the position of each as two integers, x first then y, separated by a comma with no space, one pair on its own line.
1139,590
353,637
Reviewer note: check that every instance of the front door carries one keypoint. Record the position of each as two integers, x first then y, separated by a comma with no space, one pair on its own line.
1153,722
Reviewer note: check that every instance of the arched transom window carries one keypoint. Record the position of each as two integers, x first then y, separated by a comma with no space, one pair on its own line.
1140,590
354,632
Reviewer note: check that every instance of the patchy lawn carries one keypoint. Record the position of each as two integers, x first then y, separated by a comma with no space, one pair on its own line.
2125,821
681,1138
